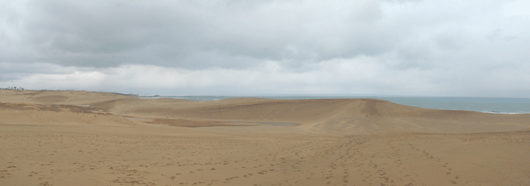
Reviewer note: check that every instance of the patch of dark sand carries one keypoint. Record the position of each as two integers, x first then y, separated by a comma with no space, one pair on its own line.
196,123
50,99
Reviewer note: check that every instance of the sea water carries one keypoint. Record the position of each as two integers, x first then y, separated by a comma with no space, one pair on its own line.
490,105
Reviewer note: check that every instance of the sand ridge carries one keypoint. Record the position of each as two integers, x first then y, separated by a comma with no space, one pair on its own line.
93,138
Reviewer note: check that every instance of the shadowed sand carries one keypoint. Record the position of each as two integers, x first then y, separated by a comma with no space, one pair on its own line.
86,138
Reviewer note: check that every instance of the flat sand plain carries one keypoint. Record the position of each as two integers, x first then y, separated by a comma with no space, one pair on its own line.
86,138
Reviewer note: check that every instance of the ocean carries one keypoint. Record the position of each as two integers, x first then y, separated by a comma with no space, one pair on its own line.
489,105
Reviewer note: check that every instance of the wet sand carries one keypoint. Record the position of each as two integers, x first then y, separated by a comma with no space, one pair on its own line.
86,138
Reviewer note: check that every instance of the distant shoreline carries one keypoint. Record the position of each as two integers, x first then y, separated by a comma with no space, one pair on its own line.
494,105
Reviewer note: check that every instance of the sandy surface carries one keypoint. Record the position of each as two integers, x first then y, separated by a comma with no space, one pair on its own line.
86,138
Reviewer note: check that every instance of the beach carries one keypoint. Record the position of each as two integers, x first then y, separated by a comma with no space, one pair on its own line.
90,138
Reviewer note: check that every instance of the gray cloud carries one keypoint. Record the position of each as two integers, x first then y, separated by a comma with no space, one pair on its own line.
178,33
461,43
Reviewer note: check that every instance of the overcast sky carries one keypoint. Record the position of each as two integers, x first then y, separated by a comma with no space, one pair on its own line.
240,47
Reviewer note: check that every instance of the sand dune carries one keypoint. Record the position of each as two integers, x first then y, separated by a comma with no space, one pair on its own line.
87,138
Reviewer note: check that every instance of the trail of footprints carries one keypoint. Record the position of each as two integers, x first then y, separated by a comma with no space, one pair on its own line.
335,161
349,164
451,177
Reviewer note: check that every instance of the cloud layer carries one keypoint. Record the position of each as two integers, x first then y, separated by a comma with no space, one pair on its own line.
439,48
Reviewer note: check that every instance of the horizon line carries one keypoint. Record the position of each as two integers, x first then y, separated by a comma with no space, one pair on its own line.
270,95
